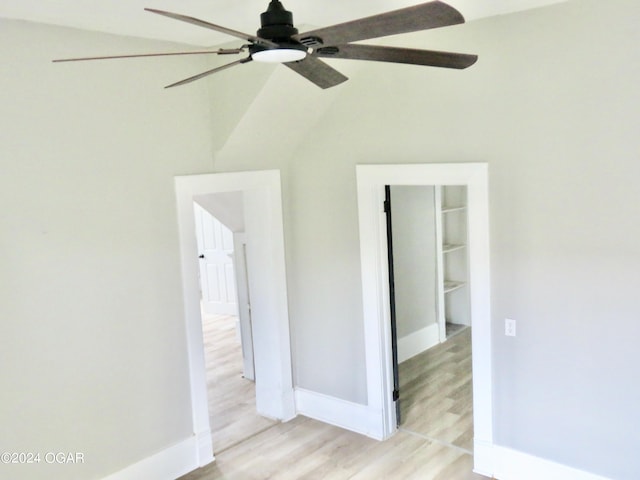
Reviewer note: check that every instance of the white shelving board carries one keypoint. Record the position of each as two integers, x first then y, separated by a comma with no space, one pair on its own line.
451,233
449,209
450,286
451,247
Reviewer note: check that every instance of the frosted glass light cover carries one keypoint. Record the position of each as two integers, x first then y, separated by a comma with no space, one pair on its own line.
279,55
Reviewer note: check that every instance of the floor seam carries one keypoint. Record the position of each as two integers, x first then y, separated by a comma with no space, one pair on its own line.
436,440
235,444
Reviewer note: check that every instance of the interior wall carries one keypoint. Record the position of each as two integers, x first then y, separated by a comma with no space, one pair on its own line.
553,106
92,322
268,137
228,207
414,257
88,152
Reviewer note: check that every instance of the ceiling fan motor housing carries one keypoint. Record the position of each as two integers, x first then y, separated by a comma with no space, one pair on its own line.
277,23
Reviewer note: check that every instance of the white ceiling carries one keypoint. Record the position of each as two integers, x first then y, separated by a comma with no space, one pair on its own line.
127,17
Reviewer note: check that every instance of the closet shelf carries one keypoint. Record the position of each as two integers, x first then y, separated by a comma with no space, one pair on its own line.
450,285
451,247
452,244
448,209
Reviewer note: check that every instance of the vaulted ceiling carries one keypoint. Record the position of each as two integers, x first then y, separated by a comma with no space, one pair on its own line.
129,18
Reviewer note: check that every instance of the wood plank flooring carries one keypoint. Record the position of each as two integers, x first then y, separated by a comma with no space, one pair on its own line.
308,449
436,392
305,448
232,398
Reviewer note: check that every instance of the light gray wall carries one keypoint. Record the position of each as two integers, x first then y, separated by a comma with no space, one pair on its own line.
88,154
553,105
414,257
91,318
227,207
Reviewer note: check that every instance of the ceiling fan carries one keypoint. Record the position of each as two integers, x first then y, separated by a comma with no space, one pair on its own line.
278,41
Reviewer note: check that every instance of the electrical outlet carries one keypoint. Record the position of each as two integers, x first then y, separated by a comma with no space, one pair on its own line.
509,327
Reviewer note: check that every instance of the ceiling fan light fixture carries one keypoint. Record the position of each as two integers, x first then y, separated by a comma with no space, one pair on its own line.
278,41
279,55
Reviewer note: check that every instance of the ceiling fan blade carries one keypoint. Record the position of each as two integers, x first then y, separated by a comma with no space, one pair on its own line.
222,51
208,72
317,71
411,19
211,26
411,56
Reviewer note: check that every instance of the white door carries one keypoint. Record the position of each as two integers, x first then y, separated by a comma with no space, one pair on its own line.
215,250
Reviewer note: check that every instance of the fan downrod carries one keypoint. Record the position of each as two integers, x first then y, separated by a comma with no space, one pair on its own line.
277,23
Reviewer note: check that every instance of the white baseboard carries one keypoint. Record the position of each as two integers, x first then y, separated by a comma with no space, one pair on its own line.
483,458
417,342
511,464
490,460
172,462
341,413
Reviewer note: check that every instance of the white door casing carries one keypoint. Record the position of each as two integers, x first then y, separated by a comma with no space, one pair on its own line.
215,252
371,180
267,281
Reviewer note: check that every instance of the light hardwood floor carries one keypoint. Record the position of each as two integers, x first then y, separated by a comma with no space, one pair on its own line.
311,450
307,449
232,398
436,392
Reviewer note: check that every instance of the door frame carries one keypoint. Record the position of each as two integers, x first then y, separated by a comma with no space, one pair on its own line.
371,181
267,280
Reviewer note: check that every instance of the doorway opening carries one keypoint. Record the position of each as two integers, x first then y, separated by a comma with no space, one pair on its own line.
266,280
430,314
371,182
226,320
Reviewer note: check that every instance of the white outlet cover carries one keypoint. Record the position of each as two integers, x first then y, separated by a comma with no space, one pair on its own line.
509,327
